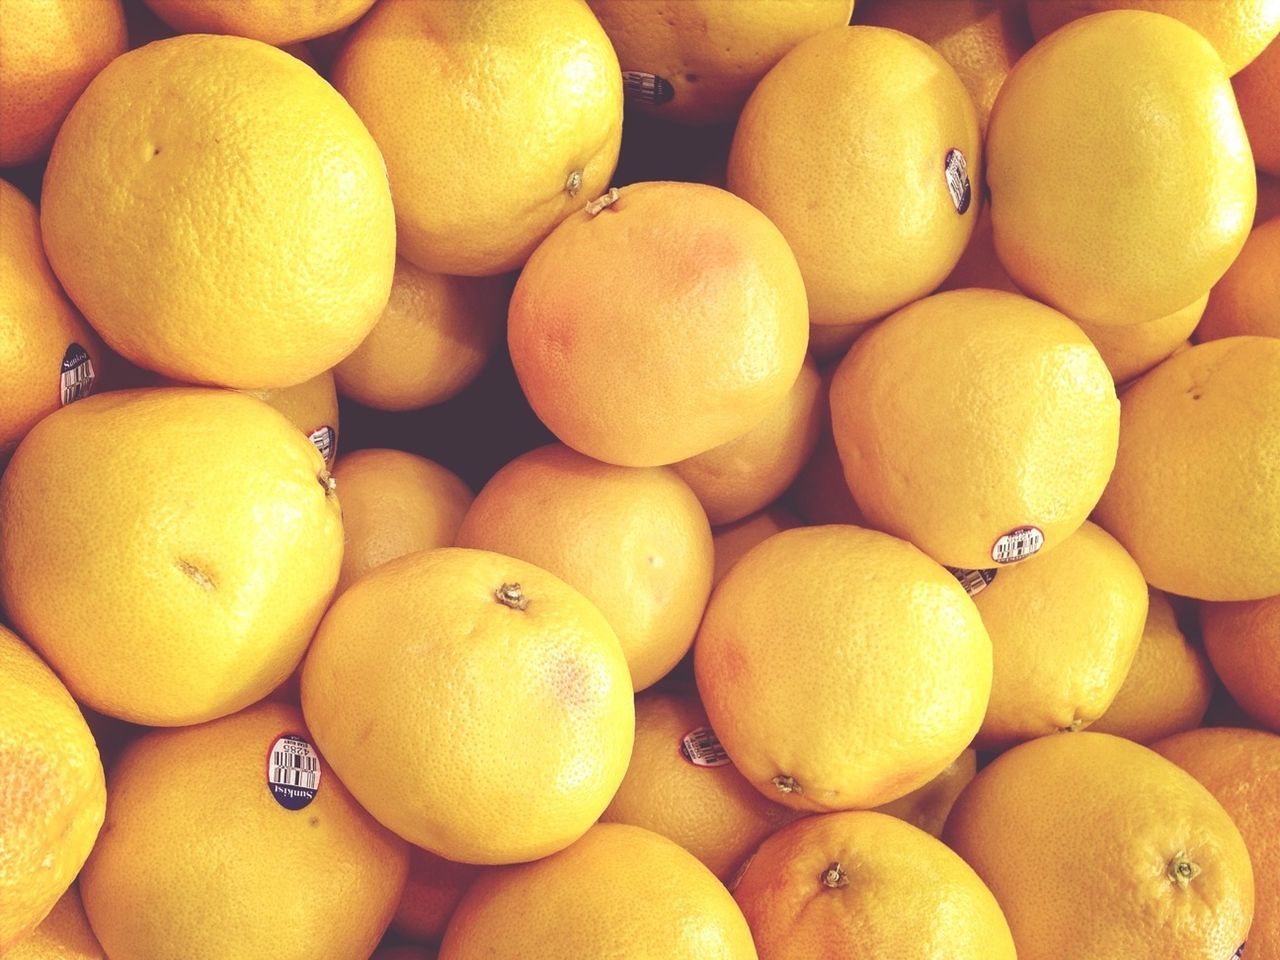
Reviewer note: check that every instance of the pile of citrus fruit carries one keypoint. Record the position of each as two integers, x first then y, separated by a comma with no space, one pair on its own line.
639,479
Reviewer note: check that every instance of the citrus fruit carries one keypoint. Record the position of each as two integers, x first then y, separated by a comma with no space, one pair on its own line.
1193,496
48,355
697,61
1241,768
979,425
1168,686
496,121
219,213
620,891
1268,198
1154,865
432,892
862,145
820,493
981,39
220,836
474,703
841,667
431,341
751,471
64,934
1135,348
312,407
1246,301
1238,29
593,347
395,503
1064,629
832,341
733,540
404,953
1257,89
862,883
681,784
927,807
634,541
267,20
49,51
1243,643
51,789
168,551
979,266
1121,181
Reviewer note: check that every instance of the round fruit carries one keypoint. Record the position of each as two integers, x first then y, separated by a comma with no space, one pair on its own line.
1193,497
841,667
496,121
1121,181
1238,29
312,407
1168,687
733,541
1155,866
926,808
1257,89
405,953
51,790
620,891
635,541
169,551
864,884
1246,301
64,934
473,703
1064,629
862,145
432,340
48,356
395,503
271,22
49,51
1132,350
697,61
681,784
1243,643
979,425
751,471
433,891
220,214
1241,768
979,266
218,834
593,345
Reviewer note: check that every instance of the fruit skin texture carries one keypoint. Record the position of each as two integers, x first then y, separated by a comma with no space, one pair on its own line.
212,873
1064,628
1257,90
51,789
1112,820
970,414
431,341
593,347
37,324
711,54
421,667
1135,348
1241,768
1193,497
267,20
1168,686
732,542
844,146
898,893
483,111
49,51
1238,29
64,934
620,891
215,548
711,811
310,406
1243,643
927,807
395,503
432,892
261,278
750,472
1246,301
1121,181
845,660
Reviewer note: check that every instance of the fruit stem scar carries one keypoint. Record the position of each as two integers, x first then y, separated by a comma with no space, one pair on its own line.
599,203
835,876
510,595
328,481
787,784
1181,870
196,574
574,183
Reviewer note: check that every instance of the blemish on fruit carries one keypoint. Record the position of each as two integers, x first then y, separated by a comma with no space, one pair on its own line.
195,573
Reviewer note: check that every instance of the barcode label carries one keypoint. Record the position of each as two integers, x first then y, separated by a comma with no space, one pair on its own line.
701,747
77,374
646,88
956,171
293,771
1018,544
1239,952
973,581
323,438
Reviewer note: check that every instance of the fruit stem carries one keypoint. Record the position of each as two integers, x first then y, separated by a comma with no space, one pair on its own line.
328,481
834,876
787,784
1181,870
574,183
599,203
510,595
